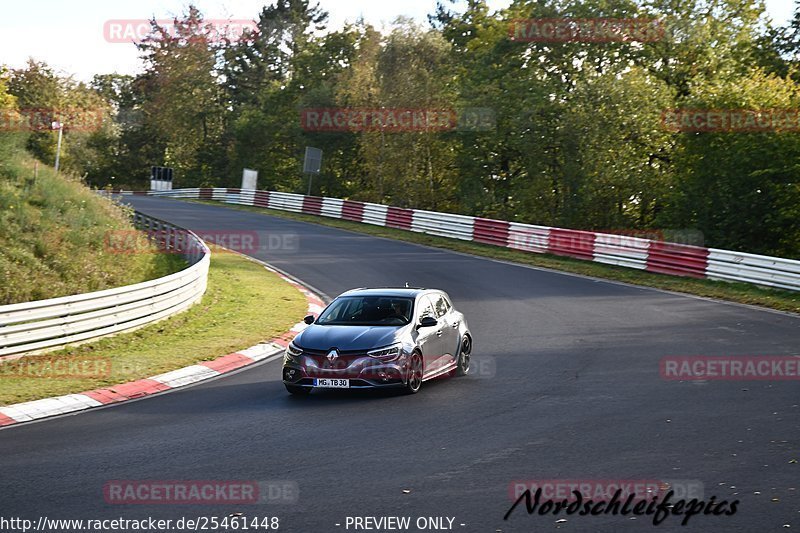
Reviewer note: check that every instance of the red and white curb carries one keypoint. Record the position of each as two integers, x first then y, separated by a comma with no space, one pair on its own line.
70,403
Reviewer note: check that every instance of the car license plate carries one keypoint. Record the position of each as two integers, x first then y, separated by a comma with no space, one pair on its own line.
332,383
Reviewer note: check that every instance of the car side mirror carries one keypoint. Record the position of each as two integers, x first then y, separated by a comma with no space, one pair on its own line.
309,319
428,322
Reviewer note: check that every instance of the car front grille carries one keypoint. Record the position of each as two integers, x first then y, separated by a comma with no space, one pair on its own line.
342,353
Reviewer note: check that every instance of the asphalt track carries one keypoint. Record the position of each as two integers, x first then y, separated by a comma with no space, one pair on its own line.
569,389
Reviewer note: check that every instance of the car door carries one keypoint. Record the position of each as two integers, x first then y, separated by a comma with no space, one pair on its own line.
449,322
430,339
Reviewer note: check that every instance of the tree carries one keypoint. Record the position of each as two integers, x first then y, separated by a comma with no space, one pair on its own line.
741,188
39,93
44,97
614,123
182,99
9,141
266,74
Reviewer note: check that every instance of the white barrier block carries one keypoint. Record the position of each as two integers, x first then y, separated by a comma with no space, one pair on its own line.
528,238
443,224
261,351
186,375
331,207
621,250
375,214
247,197
285,201
23,412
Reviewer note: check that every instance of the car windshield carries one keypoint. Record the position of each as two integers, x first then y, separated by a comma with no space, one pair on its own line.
368,311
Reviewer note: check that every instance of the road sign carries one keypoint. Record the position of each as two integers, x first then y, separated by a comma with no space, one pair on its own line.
161,173
160,179
312,164
249,179
313,160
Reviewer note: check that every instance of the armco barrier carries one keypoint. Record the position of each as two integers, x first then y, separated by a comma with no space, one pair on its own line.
53,323
488,231
759,269
613,249
677,259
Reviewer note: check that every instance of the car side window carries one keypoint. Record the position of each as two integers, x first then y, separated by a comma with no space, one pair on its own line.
426,308
441,304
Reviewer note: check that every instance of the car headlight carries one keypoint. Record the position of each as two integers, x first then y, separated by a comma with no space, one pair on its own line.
293,352
389,353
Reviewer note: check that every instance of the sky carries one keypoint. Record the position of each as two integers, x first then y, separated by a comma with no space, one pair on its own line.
70,37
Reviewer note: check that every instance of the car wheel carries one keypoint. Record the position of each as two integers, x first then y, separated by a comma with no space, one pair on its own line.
297,389
464,353
415,372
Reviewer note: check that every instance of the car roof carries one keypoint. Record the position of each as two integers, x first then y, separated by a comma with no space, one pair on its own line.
410,292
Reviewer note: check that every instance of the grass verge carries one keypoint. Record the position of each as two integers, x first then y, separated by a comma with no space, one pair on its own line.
53,233
244,304
722,290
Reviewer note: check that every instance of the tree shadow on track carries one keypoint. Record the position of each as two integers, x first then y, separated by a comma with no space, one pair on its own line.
271,396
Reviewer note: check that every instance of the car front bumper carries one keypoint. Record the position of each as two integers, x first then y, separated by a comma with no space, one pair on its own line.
368,374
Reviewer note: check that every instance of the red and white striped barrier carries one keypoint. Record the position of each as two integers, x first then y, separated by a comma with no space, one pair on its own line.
613,249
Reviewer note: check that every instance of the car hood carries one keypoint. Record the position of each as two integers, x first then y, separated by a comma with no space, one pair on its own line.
347,338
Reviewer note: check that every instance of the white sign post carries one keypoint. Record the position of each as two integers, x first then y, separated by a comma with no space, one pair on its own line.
249,179
57,125
312,164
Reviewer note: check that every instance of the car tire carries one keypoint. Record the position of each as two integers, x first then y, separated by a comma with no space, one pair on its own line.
416,370
298,390
464,353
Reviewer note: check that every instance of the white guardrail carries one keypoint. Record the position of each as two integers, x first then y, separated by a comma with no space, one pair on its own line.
57,322
614,249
